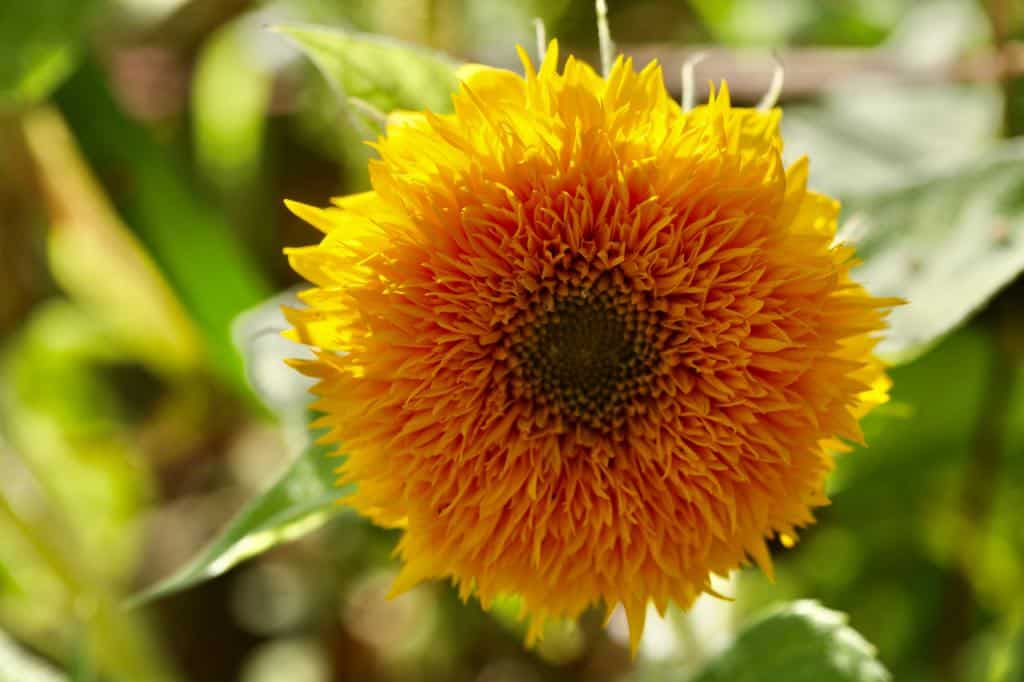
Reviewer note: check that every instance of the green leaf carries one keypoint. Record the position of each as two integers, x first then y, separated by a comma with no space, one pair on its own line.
947,245
384,72
257,335
305,495
17,665
866,137
39,45
364,76
301,500
797,642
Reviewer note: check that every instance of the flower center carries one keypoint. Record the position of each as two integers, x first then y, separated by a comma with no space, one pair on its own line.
586,354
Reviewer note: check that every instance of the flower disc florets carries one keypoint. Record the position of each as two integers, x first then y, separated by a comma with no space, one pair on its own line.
584,350
583,346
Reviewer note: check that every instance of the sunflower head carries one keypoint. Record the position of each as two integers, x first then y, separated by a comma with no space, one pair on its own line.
583,346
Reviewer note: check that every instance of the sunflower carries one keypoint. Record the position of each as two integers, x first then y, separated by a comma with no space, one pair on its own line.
583,346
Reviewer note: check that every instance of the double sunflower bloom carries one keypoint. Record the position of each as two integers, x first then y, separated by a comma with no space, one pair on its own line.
584,346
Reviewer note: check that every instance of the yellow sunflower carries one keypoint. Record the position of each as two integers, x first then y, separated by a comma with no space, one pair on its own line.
583,346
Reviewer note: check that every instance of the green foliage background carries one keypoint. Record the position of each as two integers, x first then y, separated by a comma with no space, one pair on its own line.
162,514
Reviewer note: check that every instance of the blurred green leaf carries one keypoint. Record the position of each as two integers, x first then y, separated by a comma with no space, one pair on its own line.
257,334
871,135
773,22
64,419
300,501
798,642
362,73
230,102
384,72
995,654
208,265
86,239
17,665
7,581
935,32
39,45
81,668
73,490
491,29
1014,661
304,496
947,245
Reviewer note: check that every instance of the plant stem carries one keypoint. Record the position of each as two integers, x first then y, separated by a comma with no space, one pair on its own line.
980,486
1001,19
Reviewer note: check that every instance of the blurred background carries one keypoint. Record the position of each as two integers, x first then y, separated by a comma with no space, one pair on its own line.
145,148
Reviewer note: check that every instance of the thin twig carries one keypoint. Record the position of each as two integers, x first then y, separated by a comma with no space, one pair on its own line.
369,111
689,95
771,98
